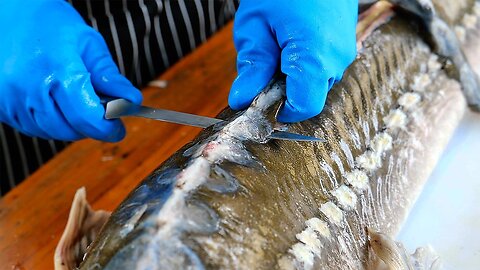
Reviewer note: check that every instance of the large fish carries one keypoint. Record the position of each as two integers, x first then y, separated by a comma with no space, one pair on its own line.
231,199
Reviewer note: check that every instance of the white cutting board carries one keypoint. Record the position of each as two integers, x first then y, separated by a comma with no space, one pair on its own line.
447,213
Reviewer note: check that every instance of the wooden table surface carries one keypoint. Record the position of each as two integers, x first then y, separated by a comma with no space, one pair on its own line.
34,214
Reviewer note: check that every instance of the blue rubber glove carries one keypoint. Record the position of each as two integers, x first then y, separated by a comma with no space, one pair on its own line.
52,64
313,42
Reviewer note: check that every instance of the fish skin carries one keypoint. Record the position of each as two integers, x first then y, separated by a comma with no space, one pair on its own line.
445,43
284,184
393,254
443,40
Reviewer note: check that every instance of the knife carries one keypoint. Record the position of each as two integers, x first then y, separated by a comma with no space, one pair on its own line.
117,108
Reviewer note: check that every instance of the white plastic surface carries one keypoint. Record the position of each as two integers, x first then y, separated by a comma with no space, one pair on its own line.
447,213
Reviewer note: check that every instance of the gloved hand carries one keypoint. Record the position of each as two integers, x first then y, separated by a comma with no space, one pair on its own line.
313,42
52,65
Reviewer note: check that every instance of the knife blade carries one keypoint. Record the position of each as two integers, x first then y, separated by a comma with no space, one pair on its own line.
117,108
120,107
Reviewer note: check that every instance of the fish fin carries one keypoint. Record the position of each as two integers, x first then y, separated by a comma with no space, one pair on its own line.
376,15
82,227
393,255
426,258
444,42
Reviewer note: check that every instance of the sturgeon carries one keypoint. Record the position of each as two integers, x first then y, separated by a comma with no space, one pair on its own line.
231,199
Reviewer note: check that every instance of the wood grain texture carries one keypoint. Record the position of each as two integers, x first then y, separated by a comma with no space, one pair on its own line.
33,215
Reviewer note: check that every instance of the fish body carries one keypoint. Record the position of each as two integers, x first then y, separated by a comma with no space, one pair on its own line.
232,199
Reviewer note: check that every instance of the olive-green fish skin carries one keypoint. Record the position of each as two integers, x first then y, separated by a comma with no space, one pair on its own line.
284,204
445,43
